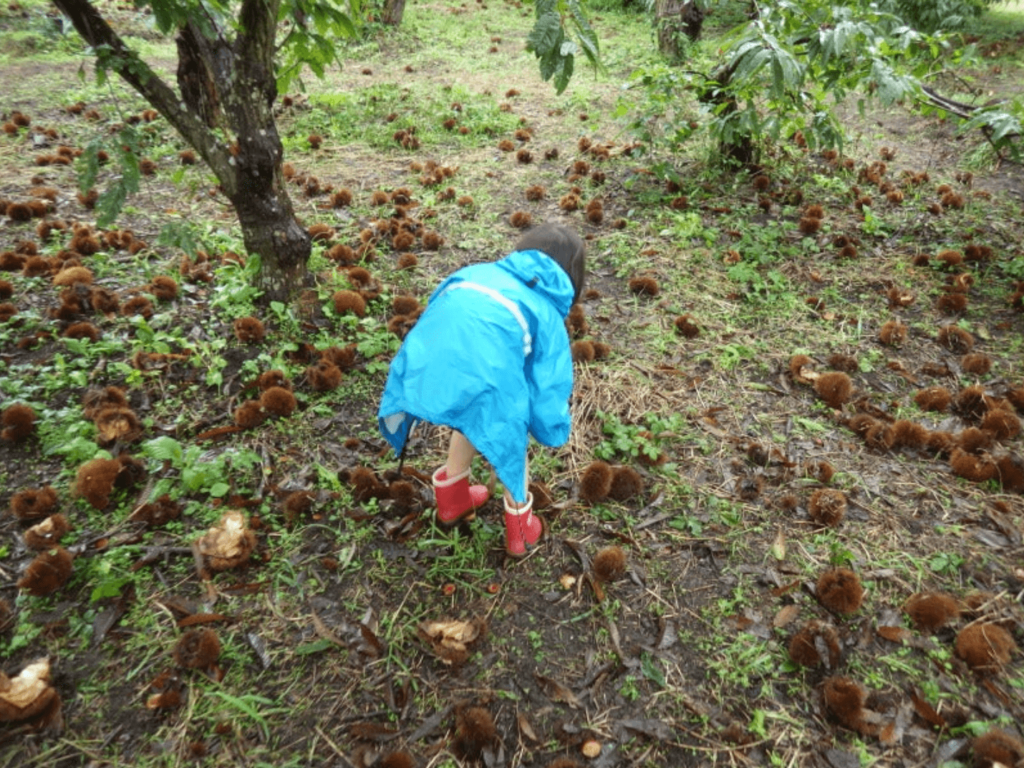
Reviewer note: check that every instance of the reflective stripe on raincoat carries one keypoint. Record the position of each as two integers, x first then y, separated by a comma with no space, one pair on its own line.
489,357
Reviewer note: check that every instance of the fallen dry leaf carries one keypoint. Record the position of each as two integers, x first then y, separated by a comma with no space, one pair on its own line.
323,631
373,645
888,734
451,640
926,711
651,727
555,691
785,616
779,545
525,728
894,634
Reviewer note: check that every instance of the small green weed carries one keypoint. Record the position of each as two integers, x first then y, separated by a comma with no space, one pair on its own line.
199,471
457,559
946,563
742,661
632,440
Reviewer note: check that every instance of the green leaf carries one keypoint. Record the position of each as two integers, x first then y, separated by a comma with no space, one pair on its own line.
757,724
585,33
809,424
219,490
314,647
109,204
167,14
313,42
78,449
193,479
564,73
179,234
164,449
107,588
545,36
652,669
89,165
545,7
549,64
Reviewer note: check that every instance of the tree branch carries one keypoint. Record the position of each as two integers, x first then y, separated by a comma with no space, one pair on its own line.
95,30
963,111
958,108
255,41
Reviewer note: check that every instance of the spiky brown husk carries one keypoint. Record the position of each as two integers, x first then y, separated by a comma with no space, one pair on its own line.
985,647
278,401
323,376
249,330
596,482
839,590
844,700
474,731
609,563
349,301
34,503
249,415
197,649
997,747
827,506
804,645
933,399
47,573
626,484
930,611
18,422
95,479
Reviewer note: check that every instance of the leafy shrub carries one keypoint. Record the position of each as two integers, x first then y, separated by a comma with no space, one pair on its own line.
933,15
781,74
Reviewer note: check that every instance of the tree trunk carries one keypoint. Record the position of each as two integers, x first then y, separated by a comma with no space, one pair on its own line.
673,19
270,229
740,150
693,20
225,112
257,188
392,13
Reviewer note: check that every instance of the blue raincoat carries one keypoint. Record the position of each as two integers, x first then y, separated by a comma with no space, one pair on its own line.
490,358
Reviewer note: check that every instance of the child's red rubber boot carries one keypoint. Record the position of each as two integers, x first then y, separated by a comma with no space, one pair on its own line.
457,500
523,529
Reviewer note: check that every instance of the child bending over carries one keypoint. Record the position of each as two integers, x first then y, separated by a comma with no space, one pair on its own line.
490,358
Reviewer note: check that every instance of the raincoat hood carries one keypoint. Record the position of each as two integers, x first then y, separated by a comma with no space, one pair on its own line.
544,275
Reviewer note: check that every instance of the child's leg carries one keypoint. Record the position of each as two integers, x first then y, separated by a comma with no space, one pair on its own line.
456,498
460,454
